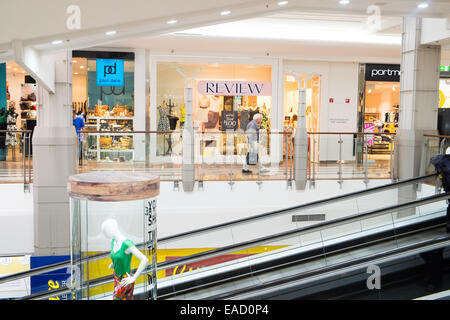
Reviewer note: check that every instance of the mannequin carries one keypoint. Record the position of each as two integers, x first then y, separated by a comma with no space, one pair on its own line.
122,250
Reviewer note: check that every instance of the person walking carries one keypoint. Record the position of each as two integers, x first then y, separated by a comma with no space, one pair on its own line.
78,122
252,132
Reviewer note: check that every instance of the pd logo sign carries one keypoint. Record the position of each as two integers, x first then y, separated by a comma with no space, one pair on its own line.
110,72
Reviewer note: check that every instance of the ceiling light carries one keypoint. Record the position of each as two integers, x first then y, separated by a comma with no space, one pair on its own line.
422,6
225,13
172,21
110,33
74,61
8,67
283,3
344,2
15,69
75,72
81,67
57,42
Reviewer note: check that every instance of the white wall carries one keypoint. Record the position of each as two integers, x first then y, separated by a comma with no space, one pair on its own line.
339,81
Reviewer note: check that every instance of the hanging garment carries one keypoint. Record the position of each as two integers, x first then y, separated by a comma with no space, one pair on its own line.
3,126
202,114
173,122
244,119
11,138
163,124
213,120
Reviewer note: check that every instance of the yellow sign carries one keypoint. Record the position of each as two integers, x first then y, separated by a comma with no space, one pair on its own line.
441,99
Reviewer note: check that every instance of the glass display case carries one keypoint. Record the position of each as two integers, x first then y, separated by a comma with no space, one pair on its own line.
113,235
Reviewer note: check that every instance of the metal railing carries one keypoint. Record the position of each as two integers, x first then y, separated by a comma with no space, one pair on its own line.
220,155
360,147
22,144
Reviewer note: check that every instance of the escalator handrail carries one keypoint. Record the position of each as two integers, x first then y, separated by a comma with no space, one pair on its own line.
336,267
276,212
251,243
236,247
312,204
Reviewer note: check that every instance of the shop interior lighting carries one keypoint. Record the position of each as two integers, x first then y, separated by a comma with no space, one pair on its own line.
283,3
81,67
111,33
225,12
422,6
57,42
344,2
173,21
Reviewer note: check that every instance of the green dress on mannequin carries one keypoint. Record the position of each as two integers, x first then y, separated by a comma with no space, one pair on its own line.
120,259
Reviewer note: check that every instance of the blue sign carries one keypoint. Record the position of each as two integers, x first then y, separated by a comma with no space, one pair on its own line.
52,280
110,72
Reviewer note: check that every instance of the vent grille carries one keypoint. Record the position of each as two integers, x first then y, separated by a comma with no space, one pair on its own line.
308,217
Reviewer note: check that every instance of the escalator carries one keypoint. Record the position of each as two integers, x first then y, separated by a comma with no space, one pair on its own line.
397,229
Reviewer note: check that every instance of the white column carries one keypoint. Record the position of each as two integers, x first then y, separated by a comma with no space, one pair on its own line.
141,102
54,159
188,167
419,97
301,134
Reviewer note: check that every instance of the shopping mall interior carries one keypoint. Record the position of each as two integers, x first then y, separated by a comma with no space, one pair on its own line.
241,149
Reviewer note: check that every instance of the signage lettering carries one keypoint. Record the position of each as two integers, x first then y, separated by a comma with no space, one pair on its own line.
235,88
383,72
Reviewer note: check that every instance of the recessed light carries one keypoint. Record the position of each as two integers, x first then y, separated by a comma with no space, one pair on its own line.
110,33
225,13
283,3
81,67
75,72
344,2
172,21
74,61
57,42
8,67
422,6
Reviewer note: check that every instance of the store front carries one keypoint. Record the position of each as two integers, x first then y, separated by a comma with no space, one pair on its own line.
18,109
103,90
226,95
381,107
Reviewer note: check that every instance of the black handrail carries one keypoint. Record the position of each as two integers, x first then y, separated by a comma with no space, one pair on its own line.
227,224
235,247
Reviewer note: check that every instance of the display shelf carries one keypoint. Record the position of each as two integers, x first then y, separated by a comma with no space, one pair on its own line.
95,144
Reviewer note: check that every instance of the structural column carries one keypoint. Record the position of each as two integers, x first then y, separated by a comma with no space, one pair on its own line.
419,97
54,160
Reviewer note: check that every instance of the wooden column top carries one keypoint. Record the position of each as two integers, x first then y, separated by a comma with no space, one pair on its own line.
113,186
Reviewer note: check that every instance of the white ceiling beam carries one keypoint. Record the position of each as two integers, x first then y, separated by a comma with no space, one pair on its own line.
40,67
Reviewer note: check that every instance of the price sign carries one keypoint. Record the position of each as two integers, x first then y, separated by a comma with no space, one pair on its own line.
229,120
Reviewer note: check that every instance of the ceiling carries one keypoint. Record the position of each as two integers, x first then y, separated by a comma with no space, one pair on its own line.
325,29
38,23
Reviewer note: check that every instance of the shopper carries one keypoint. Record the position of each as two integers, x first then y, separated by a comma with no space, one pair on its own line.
252,132
78,122
442,164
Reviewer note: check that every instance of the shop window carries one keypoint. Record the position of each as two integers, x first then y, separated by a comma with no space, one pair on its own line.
103,90
231,107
